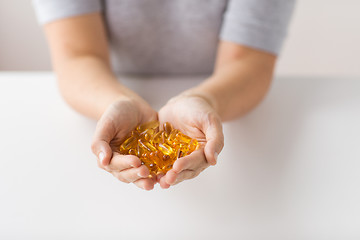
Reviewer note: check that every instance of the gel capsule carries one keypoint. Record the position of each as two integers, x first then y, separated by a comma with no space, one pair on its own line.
128,144
152,125
146,146
167,128
183,138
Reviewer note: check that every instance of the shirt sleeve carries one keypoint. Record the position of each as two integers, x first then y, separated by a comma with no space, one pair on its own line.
260,24
51,10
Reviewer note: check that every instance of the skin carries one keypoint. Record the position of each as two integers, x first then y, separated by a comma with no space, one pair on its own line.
80,55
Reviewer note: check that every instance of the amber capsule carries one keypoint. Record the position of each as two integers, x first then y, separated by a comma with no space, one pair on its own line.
152,156
183,138
193,144
145,155
138,151
163,137
159,159
167,128
128,143
135,133
178,153
146,135
155,159
167,167
132,152
153,168
146,146
124,152
166,157
152,125
165,149
172,136
157,137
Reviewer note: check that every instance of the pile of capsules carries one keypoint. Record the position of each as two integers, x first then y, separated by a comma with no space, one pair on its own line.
158,149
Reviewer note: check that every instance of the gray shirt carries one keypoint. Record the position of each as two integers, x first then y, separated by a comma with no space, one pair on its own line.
178,36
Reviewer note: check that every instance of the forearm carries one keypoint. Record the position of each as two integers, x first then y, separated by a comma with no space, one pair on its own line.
88,85
80,57
238,85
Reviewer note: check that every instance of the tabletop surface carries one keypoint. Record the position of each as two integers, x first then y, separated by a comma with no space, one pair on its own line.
289,169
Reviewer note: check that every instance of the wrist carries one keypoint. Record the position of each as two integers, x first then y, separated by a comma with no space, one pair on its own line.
199,92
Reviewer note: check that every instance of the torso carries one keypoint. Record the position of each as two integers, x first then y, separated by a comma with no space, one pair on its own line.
164,37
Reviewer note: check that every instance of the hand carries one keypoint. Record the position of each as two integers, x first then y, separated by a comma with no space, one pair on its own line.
194,116
115,124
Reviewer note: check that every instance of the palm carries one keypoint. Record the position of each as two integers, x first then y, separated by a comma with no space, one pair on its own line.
197,119
123,118
188,120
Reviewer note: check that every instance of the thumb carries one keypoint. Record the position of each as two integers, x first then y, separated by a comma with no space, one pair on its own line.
214,141
100,146
103,151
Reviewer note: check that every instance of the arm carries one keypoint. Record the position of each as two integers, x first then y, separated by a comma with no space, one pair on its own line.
80,58
241,79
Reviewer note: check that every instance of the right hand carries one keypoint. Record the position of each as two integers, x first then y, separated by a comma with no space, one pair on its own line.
119,119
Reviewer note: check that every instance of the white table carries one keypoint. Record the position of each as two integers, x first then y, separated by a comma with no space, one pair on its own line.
289,170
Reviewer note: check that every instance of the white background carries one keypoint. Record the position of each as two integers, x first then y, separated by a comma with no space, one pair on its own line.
289,169
324,39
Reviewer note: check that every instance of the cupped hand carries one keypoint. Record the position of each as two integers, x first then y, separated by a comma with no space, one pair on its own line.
194,116
119,119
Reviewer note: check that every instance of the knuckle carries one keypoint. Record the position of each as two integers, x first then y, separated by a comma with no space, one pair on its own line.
93,147
122,179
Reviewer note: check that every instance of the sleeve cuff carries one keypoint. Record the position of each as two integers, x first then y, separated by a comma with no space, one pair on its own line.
255,36
51,10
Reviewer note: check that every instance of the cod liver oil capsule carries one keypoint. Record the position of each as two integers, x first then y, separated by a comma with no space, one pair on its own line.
158,149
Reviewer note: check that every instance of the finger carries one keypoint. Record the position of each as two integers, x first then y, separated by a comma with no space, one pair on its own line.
191,162
132,174
163,184
214,140
185,175
121,162
100,146
170,177
161,180
146,184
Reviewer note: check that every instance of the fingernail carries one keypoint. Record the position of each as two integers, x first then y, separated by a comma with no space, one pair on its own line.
142,176
216,156
101,157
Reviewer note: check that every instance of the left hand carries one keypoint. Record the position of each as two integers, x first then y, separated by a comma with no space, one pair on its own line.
194,116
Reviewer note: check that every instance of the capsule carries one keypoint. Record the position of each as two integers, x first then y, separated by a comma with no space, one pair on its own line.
167,128
183,138
166,158
172,136
157,138
152,125
135,134
132,152
146,146
138,151
128,143
146,135
193,145
165,149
